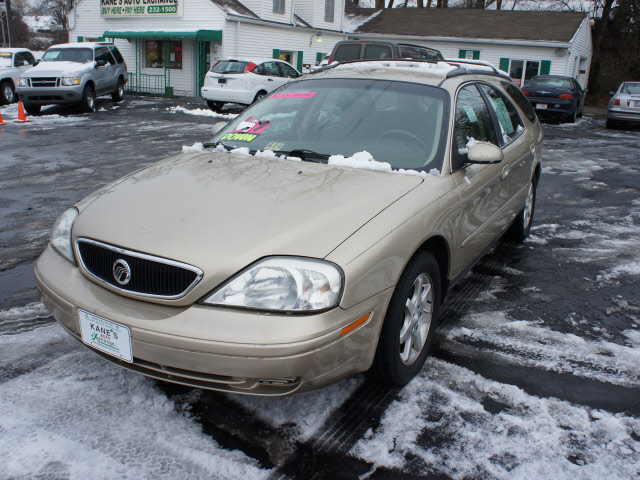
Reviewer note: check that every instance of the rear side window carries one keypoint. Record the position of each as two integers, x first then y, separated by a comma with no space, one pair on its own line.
346,53
29,58
372,52
103,53
518,97
226,66
116,53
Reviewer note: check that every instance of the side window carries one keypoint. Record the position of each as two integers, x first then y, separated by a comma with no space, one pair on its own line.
102,53
473,121
19,60
271,69
30,59
348,52
508,117
410,52
288,71
517,96
278,6
372,52
259,70
116,53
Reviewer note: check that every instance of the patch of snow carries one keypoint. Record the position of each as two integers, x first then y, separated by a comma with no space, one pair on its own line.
365,161
440,68
351,23
196,147
202,112
632,268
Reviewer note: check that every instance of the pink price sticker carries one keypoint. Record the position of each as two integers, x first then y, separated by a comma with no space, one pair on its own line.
295,95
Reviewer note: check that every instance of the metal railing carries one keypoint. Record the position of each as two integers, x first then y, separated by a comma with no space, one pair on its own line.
147,83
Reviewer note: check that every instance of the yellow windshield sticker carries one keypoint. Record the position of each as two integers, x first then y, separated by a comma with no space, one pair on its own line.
240,137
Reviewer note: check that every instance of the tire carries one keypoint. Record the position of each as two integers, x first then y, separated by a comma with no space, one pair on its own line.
7,93
521,227
215,106
88,102
610,124
118,94
32,109
418,291
571,118
581,112
259,96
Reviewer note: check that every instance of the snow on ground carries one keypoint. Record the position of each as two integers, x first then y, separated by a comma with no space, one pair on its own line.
79,417
10,114
478,428
202,112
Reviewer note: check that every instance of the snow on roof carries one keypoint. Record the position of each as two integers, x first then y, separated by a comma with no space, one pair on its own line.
438,69
352,22
234,7
40,22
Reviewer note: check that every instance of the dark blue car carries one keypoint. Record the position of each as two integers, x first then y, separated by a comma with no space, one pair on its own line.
555,95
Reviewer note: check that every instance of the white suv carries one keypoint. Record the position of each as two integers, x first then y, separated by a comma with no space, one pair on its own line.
244,81
13,62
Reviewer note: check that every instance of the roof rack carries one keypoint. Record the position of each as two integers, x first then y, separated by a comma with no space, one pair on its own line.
465,67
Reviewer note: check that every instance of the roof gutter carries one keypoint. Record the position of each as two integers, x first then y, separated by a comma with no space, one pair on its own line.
532,43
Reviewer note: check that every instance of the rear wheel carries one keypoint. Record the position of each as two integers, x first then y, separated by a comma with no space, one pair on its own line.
7,93
410,323
32,109
259,96
571,118
88,102
215,106
522,225
610,124
118,94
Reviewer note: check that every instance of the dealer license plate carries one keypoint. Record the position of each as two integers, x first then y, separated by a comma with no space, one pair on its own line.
541,106
636,104
222,80
105,335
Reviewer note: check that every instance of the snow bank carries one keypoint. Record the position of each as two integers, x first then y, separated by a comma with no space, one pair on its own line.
202,112
196,147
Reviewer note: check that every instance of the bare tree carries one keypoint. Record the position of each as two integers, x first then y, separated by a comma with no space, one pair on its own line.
599,34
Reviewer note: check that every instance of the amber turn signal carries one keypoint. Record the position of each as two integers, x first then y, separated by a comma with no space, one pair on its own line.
356,324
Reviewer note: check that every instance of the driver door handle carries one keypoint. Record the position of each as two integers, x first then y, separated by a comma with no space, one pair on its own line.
505,171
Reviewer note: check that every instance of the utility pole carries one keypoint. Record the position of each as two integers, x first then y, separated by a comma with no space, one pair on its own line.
9,20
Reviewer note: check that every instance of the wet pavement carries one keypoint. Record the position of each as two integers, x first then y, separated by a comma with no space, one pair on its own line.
535,373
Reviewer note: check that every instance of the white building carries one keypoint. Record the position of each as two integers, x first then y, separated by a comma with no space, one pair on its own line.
522,43
173,43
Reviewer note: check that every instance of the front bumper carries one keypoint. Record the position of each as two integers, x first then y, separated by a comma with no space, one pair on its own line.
623,116
50,95
219,349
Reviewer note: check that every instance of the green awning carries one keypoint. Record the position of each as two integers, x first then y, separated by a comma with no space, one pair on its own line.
215,35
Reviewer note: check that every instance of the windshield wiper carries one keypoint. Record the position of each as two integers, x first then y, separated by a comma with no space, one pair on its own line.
215,144
307,155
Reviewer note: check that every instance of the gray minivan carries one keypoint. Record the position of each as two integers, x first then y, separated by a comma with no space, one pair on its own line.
350,50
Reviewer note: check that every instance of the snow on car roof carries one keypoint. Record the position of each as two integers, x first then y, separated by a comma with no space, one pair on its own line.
14,50
79,45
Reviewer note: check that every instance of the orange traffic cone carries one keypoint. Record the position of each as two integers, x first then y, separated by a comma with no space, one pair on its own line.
22,118
1,122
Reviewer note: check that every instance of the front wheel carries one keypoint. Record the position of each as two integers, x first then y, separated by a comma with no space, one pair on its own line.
259,96
88,102
522,225
118,94
410,323
7,93
215,106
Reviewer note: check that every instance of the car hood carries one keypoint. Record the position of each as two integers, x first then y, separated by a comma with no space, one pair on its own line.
221,212
57,69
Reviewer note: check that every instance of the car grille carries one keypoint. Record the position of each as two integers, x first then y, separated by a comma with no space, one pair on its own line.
45,82
149,276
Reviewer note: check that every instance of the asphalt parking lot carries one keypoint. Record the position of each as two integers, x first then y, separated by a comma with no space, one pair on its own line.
535,373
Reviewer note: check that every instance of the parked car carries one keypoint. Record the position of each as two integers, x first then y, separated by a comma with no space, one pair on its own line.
283,257
556,95
13,62
74,73
624,106
350,50
244,81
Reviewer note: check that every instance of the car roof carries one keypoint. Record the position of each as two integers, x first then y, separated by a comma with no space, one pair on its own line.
81,45
14,50
430,72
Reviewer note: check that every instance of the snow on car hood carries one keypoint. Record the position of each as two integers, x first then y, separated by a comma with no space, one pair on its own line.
58,69
221,212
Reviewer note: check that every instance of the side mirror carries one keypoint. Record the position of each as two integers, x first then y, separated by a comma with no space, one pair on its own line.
217,127
484,153
35,63
585,90
100,63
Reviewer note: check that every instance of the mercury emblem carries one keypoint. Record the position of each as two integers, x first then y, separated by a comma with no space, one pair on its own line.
121,272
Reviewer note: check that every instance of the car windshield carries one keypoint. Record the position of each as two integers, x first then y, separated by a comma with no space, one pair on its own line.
77,55
631,88
226,66
550,82
396,122
5,59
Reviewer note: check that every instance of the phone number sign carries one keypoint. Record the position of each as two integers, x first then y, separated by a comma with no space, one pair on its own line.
132,8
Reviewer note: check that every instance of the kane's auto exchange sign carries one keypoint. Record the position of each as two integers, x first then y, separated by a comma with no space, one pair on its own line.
130,8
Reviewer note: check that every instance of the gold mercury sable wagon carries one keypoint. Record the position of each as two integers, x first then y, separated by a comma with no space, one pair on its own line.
312,238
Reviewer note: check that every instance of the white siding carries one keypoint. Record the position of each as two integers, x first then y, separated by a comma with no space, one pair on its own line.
581,52
304,9
337,15
252,41
264,9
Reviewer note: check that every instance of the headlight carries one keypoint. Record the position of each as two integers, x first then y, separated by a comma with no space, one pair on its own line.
61,234
289,284
22,82
70,81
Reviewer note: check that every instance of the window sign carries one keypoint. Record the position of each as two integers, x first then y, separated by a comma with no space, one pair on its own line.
156,51
134,8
